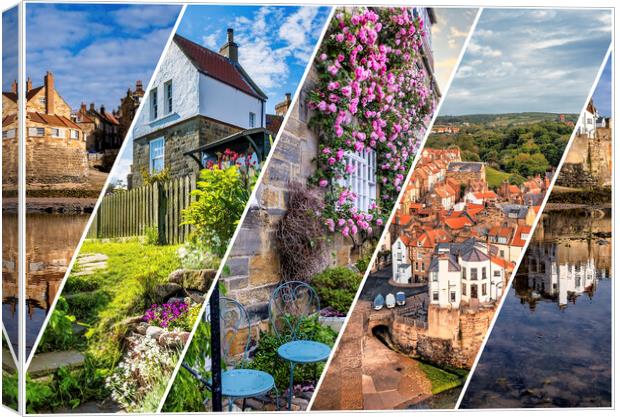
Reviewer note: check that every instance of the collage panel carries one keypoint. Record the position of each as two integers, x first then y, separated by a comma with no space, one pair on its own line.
82,91
206,124
10,231
561,294
296,264
467,213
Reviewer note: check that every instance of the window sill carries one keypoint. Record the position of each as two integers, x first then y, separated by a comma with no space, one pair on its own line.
163,119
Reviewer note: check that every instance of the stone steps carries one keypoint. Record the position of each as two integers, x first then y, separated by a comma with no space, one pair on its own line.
47,363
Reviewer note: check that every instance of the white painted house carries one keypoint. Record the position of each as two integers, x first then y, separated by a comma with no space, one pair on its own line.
586,124
401,264
465,273
198,97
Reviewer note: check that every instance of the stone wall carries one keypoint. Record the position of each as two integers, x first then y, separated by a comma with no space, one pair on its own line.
179,138
253,264
453,336
55,160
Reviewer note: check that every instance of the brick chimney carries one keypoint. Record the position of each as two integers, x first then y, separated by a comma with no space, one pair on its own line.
282,108
92,107
102,109
28,84
49,93
14,86
83,108
139,86
230,49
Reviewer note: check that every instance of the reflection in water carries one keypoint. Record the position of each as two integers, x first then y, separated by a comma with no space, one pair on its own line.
551,344
50,242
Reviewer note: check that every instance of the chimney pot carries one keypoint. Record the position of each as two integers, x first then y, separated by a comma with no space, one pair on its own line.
230,35
14,86
92,106
28,84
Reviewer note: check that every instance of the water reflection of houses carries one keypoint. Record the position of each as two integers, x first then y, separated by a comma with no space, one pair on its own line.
548,276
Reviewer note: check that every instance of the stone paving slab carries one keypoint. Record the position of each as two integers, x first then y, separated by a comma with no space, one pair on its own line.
47,363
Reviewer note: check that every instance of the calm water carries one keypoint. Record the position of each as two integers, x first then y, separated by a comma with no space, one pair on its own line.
51,240
551,345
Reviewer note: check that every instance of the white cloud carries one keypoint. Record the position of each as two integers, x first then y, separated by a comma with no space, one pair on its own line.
486,51
210,41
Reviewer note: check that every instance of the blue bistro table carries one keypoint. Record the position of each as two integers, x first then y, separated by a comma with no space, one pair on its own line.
246,383
302,352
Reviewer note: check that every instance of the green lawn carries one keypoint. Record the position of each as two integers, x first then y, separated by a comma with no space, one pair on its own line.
442,380
101,302
496,177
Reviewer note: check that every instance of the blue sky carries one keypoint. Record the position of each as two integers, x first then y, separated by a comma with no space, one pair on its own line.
96,51
602,93
275,45
275,42
9,48
530,60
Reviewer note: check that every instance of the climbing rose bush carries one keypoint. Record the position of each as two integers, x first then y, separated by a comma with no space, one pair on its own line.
370,95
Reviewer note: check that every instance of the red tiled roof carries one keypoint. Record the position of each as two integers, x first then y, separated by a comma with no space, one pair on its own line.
521,230
485,195
501,231
501,262
52,120
406,240
404,219
8,119
218,66
111,118
458,222
430,238
12,96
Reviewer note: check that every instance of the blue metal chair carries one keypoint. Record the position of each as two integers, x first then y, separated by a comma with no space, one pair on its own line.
237,383
289,305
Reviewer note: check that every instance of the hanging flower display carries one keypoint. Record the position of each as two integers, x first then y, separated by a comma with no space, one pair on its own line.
371,96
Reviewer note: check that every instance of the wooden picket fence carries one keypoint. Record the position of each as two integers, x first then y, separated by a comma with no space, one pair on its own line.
160,206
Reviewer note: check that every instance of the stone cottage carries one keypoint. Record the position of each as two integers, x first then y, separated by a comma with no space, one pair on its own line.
55,146
199,97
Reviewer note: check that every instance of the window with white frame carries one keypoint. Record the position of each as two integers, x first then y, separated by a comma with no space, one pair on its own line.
156,155
57,133
362,180
8,134
435,296
36,131
153,103
168,96
75,134
252,119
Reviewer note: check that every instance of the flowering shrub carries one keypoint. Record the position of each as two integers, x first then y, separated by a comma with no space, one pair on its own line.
166,315
370,95
145,366
248,167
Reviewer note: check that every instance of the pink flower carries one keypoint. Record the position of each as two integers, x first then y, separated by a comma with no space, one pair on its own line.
346,91
379,222
339,37
330,224
331,161
323,183
333,85
323,57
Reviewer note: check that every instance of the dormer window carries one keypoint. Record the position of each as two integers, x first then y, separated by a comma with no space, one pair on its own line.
168,96
153,104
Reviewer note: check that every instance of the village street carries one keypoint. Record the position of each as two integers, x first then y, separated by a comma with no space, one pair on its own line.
379,283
